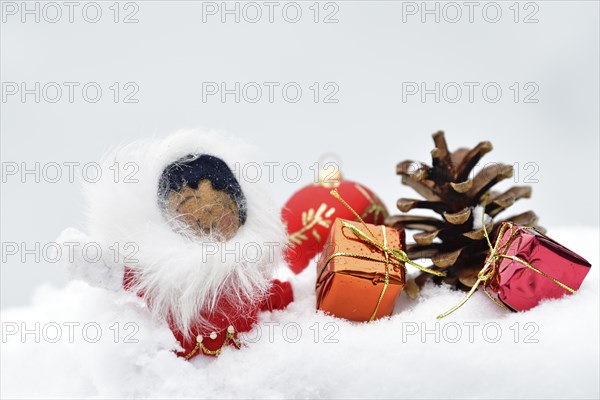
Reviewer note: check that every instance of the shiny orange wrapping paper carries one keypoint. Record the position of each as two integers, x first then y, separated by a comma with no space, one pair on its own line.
349,286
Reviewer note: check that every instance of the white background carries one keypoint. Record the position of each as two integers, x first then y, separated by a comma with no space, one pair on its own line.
368,53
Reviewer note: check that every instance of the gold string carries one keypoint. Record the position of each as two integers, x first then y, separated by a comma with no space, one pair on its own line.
490,268
387,276
354,255
394,253
335,194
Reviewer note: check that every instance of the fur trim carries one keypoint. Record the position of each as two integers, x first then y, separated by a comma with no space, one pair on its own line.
180,275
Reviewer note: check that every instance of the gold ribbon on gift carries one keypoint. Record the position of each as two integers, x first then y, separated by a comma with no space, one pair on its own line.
391,256
490,268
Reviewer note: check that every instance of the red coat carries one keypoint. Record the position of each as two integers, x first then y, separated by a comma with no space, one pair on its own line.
228,320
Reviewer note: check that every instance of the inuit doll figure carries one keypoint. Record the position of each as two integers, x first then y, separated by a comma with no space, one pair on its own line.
195,242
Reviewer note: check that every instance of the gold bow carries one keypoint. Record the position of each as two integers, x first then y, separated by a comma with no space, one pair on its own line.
391,256
490,268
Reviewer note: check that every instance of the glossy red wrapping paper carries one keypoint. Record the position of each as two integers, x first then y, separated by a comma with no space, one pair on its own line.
521,288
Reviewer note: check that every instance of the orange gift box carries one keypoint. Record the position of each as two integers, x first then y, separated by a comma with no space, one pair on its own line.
351,281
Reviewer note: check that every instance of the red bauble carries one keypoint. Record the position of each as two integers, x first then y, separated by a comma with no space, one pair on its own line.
310,212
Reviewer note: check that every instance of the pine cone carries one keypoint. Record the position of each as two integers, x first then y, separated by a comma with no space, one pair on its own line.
451,191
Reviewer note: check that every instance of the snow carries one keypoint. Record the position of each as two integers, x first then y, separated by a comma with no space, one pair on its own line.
555,356
477,220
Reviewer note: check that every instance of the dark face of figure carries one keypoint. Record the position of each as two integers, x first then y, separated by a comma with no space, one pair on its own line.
206,210
201,192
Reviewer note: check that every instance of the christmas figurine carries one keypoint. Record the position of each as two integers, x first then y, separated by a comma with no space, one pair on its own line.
177,228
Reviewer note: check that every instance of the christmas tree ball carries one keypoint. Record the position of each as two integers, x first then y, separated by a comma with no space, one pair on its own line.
309,215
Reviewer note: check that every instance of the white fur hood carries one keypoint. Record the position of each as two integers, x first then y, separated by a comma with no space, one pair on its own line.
179,275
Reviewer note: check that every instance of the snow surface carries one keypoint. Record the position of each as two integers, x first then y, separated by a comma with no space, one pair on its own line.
380,359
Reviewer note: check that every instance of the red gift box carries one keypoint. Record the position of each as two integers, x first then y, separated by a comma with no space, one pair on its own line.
525,267
520,287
